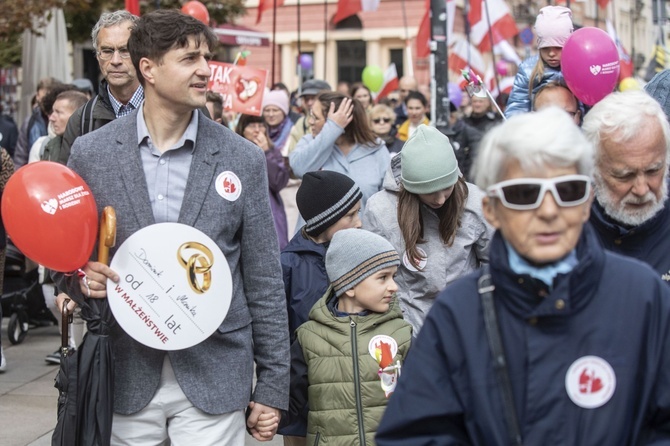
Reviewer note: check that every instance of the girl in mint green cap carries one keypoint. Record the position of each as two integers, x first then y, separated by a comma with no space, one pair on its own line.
432,217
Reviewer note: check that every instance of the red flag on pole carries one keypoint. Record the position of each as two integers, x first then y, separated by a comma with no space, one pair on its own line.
423,34
347,8
133,7
503,25
264,5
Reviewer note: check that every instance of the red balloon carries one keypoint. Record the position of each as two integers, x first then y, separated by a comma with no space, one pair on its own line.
590,64
196,10
50,214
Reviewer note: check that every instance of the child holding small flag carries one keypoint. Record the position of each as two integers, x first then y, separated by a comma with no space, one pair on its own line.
347,358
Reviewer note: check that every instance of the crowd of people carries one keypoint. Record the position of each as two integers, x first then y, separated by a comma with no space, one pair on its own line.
392,285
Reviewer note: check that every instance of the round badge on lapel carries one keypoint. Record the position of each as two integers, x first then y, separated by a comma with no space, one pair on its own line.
590,382
228,185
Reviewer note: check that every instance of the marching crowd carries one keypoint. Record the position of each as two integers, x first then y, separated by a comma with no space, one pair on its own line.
502,284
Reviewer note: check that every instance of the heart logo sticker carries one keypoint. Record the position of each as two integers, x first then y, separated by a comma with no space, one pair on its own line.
595,69
229,186
50,206
590,382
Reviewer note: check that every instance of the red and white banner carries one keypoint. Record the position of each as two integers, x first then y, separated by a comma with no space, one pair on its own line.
506,83
264,5
390,82
463,56
241,87
347,8
503,25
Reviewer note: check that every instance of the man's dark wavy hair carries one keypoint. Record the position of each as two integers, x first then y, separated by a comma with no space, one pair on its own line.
159,31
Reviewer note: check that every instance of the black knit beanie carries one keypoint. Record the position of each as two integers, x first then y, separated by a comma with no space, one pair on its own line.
324,197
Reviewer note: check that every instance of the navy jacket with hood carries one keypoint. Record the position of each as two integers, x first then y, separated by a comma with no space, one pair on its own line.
305,279
648,242
608,306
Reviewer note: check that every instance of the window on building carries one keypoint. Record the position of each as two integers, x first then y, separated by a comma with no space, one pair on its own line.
398,58
659,6
351,57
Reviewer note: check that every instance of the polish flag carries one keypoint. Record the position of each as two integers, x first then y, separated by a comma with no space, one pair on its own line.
503,25
133,7
347,8
475,12
423,35
463,56
390,82
625,62
264,5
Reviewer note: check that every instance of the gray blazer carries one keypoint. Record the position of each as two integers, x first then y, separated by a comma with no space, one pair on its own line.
215,375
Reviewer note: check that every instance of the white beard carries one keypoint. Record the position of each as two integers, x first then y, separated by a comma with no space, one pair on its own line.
617,209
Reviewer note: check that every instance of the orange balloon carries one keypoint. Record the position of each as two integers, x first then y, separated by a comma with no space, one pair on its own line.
196,10
51,216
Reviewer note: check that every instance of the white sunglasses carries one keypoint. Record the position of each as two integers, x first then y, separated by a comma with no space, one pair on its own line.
524,194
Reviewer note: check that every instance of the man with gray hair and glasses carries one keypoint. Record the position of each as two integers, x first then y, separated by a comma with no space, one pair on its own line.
119,93
630,213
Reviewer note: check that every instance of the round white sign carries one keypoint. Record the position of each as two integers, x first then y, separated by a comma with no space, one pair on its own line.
590,382
175,286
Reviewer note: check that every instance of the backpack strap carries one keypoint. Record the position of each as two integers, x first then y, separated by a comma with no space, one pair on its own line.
87,116
485,287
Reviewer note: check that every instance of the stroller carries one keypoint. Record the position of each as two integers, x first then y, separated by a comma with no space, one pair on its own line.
22,298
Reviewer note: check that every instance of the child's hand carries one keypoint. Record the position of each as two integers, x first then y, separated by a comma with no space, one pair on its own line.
263,421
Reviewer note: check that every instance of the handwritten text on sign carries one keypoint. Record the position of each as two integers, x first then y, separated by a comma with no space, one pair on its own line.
175,286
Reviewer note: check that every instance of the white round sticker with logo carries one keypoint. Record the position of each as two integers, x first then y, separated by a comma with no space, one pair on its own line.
383,349
228,185
175,286
422,260
590,382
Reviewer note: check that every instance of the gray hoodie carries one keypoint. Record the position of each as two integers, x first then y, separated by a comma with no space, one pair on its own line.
443,264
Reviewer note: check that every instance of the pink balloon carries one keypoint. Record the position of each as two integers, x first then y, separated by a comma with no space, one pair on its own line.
590,64
501,67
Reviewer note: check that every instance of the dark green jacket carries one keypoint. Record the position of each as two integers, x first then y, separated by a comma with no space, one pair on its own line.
346,400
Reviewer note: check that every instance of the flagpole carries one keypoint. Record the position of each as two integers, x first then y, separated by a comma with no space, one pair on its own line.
493,54
274,37
408,48
325,38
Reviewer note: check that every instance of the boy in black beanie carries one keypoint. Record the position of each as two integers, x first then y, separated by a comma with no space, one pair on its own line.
328,202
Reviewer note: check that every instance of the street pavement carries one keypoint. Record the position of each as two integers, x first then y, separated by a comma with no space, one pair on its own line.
27,395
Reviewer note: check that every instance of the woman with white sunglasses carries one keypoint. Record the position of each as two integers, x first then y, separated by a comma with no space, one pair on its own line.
556,342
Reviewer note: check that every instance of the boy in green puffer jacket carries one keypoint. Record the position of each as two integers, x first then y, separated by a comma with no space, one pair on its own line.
348,356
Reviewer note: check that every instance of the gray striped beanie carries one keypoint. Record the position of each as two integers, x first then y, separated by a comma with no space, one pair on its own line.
354,255
324,197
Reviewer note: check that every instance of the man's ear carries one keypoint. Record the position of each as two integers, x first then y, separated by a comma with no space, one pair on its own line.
146,70
488,207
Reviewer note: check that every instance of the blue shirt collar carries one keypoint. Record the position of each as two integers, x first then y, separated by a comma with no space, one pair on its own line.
190,134
545,273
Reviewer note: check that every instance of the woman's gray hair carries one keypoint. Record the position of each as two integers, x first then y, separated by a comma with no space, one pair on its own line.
621,115
537,139
108,19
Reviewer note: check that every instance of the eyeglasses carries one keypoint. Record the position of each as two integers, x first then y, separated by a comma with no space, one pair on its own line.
527,193
108,53
380,120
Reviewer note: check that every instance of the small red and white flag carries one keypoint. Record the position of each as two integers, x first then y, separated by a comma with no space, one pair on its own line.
264,5
347,8
390,82
503,25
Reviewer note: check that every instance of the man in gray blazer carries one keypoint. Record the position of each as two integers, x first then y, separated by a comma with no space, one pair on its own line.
161,164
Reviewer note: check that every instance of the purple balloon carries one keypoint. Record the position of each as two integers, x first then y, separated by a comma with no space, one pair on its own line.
455,94
306,61
590,64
